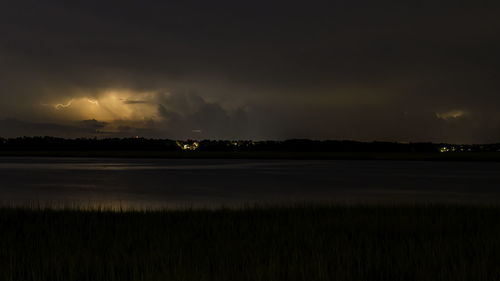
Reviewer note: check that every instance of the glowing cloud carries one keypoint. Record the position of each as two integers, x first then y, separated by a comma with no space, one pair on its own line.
449,115
60,105
93,101
107,106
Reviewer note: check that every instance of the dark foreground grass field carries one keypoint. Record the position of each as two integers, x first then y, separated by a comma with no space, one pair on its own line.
434,242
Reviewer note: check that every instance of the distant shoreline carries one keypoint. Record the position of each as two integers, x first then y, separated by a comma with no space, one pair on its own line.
403,156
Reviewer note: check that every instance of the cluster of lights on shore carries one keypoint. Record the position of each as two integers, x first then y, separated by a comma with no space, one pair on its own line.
453,149
193,145
188,145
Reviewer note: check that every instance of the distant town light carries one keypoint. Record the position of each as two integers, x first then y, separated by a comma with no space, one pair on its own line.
451,149
188,145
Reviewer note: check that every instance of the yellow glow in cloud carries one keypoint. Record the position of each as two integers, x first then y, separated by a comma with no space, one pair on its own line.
60,105
454,114
108,106
93,101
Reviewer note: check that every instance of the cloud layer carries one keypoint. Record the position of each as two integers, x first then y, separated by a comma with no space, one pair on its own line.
388,70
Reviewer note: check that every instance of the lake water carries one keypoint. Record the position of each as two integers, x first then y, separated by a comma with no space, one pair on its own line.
152,183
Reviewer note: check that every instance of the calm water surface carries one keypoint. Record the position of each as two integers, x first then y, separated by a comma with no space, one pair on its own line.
214,182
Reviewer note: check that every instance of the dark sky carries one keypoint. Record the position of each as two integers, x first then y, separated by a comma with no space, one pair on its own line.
362,70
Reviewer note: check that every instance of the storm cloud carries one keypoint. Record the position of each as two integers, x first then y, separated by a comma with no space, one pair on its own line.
365,70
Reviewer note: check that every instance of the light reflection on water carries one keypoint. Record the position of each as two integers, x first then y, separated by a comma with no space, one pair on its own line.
183,183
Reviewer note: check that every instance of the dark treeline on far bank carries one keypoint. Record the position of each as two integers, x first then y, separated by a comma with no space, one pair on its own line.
292,145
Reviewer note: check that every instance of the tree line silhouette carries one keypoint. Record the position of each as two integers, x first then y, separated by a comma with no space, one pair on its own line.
292,145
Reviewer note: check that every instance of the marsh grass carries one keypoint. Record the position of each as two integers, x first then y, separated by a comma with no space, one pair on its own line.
431,242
